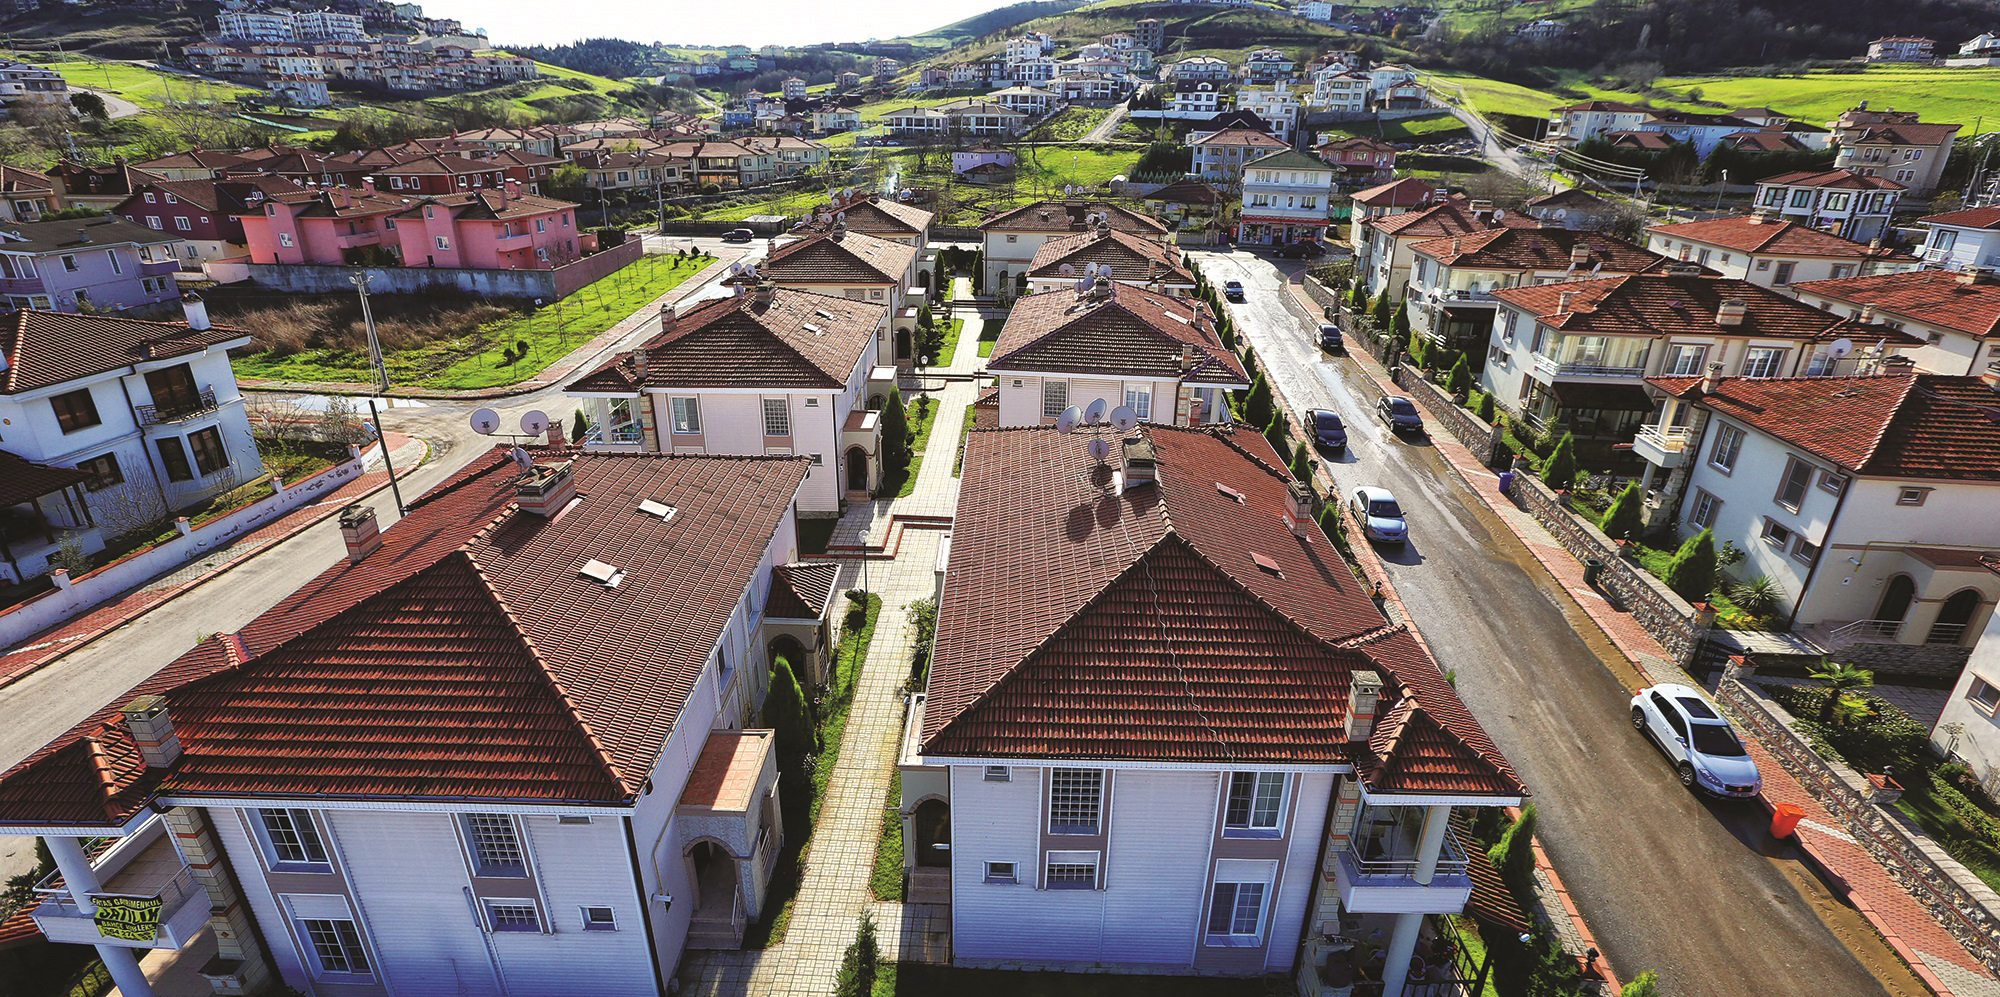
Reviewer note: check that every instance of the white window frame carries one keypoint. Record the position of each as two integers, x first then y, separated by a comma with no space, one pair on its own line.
485,847
305,832
1236,876
1703,509
444,242
1072,794
1776,534
1795,470
1729,442
1139,398
591,922
1676,352
1002,874
1764,361
685,412
1069,862
490,908
1984,696
354,949
1263,815
777,417
1912,495
998,773
285,239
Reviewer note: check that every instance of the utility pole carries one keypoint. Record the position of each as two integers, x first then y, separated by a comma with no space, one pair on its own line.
394,489
360,281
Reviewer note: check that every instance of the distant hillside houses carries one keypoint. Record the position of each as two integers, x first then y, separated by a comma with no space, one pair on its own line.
1983,50
297,56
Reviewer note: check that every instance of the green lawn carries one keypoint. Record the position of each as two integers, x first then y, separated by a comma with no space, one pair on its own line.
989,336
148,88
1492,96
950,344
797,203
474,361
1069,124
887,880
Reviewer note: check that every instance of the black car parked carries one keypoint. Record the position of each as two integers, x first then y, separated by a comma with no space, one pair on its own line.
1327,429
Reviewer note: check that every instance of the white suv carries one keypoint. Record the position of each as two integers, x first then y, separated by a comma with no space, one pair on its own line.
1703,748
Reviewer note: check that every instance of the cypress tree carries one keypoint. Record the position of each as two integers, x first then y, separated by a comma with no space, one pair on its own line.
1691,574
895,429
1459,381
1278,434
1301,465
785,711
1560,469
1484,410
1258,407
1626,515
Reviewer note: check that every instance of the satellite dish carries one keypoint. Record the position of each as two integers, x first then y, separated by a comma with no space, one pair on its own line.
1099,448
1840,348
1124,418
521,459
1067,421
840,216
736,267
535,422
1066,270
485,422
1094,415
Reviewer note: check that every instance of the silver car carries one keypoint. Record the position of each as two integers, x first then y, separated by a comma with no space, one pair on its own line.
1380,516
1705,751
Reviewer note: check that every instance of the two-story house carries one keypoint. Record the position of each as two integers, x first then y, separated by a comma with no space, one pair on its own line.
1090,798
1892,144
1197,212
1594,119
1196,67
197,164
1391,236
204,214
1275,104
1861,497
1219,156
87,264
1287,198
726,163
1450,297
850,265
1011,238
1103,341
647,173
1954,315
1193,99
1969,237
1268,65
1126,259
439,174
1341,90
25,196
327,226
877,216
768,371
1772,251
511,770
148,412
500,229
1847,203
1032,101
1900,48
1361,160
1578,353
1392,198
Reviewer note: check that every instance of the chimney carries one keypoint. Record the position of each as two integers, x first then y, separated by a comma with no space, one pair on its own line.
1141,463
1895,363
1867,315
1991,376
1731,311
1299,507
1562,301
1579,256
1712,379
1187,358
83,235
639,364
196,311
1152,271
544,489
153,731
763,294
1100,289
1974,275
1364,690
359,530
668,320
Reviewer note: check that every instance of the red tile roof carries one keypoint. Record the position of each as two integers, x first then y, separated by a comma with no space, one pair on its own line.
1186,190
1146,625
799,340
1131,332
1965,218
1659,304
1070,216
1830,178
22,481
1784,237
1901,133
880,217
1453,217
15,180
466,658
802,591
1241,136
1540,249
835,258
1896,425
1132,260
47,348
1568,195
491,204
1404,193
1933,297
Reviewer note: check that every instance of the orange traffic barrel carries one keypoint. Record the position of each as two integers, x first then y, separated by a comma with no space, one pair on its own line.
1785,819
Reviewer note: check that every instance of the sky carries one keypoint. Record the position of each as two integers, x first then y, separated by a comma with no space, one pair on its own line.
704,22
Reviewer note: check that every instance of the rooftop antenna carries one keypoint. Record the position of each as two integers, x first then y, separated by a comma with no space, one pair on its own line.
521,459
485,422
535,422
1068,420
1124,419
1094,415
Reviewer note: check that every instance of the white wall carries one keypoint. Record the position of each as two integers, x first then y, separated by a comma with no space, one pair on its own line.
994,822
1871,523
1748,496
1022,405
1979,742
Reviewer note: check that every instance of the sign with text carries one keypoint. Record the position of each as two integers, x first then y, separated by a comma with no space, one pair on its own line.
134,919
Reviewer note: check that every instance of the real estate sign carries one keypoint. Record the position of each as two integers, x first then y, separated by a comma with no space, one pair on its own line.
134,919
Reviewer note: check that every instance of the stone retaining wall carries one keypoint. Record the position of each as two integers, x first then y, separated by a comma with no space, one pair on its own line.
1960,901
1933,660
1477,436
1679,627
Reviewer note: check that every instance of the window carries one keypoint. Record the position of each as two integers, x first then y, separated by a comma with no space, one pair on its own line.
876,293
1805,551
1071,871
1000,873
1763,264
1836,202
291,839
777,417
510,916
495,845
1832,483
999,773
1841,270
686,415
1728,443
1776,534
1256,799
1139,398
541,225
284,238
1685,359
1507,326
153,222
600,919
1074,799
1703,508
69,263
209,453
1801,198
75,410
1792,485
1235,910
1784,274
149,197
1984,696
443,242
1912,496
181,224
1055,398
1763,361
103,470
336,946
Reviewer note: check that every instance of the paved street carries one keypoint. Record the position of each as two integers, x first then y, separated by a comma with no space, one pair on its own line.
1690,888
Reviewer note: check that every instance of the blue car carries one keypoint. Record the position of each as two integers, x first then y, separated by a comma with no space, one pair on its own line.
1380,516
1328,431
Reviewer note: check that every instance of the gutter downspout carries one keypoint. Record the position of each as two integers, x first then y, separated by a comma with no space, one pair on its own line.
1812,572
645,906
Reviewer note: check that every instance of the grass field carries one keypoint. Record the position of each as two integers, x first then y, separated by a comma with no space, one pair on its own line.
1436,128
148,88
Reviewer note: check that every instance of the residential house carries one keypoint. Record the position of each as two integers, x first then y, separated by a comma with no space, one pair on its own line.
1089,87
1105,807
87,264
1577,353
1954,315
511,604
1386,76
1149,33
1965,729
23,83
205,214
1268,65
436,174
1392,198
1062,264
25,196
1287,198
1358,159
879,217
82,185
1541,30
1194,99
1197,67
1010,239
826,120
529,169
1901,49
146,413
1772,251
306,167
298,91
959,117
1277,105
847,80
537,139
1032,101
504,229
1861,498
886,68
329,227
644,173
1388,238
1195,211
1341,90
1571,208
197,164
1038,70
1219,156
791,156
845,264
769,371
1450,298
1846,203
1109,341
1982,50
1405,94
725,163
1968,237
1892,144
1315,10
981,160
1594,119
793,88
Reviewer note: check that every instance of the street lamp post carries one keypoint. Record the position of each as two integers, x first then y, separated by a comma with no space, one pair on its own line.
360,281
1719,188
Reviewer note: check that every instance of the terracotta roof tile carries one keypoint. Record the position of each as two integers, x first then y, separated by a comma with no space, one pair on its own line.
1540,249
1406,192
799,340
853,258
1830,178
1132,260
1777,236
1984,218
22,481
1186,190
1933,297
882,217
1241,136
1062,216
1453,217
1132,332
802,591
48,348
1658,304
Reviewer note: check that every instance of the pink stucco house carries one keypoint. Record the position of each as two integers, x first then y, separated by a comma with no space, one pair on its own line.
503,228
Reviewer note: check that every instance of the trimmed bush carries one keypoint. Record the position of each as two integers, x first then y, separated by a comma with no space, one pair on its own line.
1484,410
896,429
1258,406
1627,513
1560,469
1514,856
1459,381
1691,574
856,977
1301,465
1278,434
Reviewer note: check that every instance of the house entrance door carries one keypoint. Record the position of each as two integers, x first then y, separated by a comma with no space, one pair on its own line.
933,827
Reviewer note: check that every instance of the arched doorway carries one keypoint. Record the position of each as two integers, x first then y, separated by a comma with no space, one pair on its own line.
857,469
788,647
923,278
902,344
933,827
714,880
1953,619
1896,598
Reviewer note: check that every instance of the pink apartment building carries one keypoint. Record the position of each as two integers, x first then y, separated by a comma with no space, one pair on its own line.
502,228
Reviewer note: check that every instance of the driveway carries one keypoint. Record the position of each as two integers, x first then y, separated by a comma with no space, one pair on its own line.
114,105
1103,130
1690,888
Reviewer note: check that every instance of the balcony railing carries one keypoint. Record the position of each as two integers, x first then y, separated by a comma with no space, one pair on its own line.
154,268
617,436
1398,865
175,410
1671,439
1463,294
1547,367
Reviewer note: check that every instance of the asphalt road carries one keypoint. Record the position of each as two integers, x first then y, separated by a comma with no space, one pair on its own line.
1691,888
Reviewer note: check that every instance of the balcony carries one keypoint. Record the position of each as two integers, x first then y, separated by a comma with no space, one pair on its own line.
1661,446
354,240
607,437
22,285
509,243
1376,876
1548,368
150,899
173,410
1462,295
156,268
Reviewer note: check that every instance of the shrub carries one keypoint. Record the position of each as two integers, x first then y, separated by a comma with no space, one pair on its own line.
1258,406
1278,434
578,427
1329,523
785,711
895,429
1645,984
1626,515
856,977
1484,410
1514,856
1691,574
1560,469
1760,596
1301,465
1459,381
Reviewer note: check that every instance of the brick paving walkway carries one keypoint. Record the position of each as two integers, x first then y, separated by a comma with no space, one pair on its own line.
1935,956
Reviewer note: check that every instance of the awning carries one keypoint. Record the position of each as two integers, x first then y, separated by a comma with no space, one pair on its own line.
1611,397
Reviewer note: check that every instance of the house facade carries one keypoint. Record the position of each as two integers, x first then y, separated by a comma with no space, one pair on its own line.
1894,145
1594,119
1902,48
1128,259
1773,252
204,214
1953,315
1012,238
25,196
1275,104
1450,297
1219,156
1847,203
498,229
1954,240
1287,198
858,267
1387,256
1966,730
80,264
148,412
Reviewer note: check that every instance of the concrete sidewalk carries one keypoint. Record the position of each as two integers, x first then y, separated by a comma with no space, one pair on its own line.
50,645
1932,953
